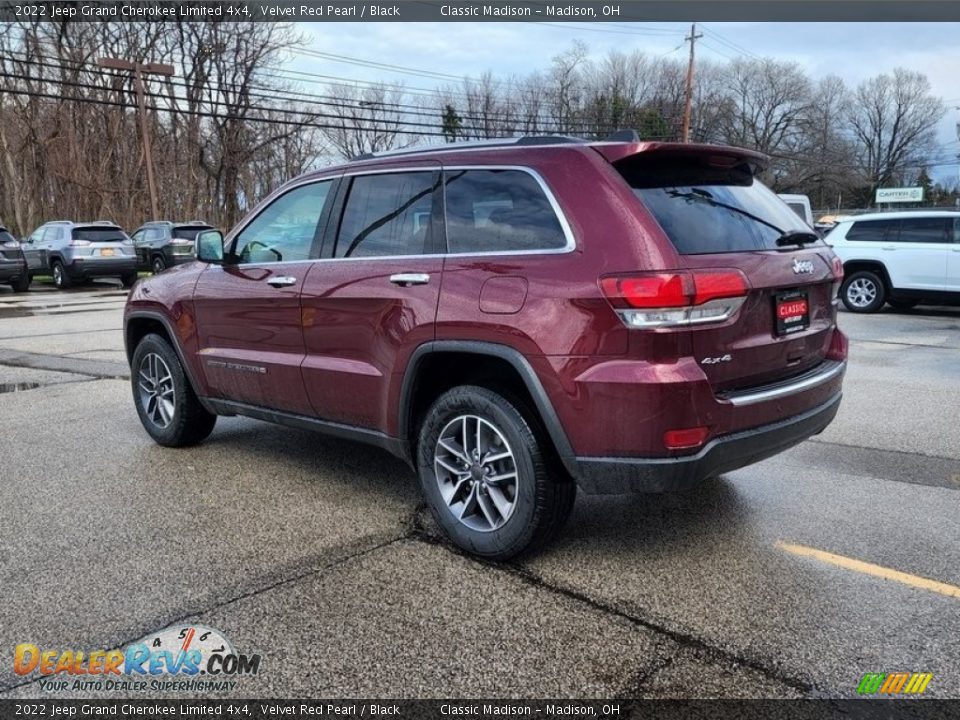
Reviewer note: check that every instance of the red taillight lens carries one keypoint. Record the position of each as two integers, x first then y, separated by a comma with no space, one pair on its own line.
686,438
839,346
837,265
677,298
718,284
649,291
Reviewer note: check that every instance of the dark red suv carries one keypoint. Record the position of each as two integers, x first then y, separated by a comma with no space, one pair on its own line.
514,319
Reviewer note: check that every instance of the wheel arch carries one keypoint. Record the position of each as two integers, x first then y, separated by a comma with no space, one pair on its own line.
853,266
417,391
137,325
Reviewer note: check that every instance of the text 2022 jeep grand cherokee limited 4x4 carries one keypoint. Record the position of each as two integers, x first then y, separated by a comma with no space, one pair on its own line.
514,319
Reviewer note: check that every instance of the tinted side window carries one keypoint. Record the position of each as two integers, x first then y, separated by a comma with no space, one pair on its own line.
924,230
388,215
499,211
286,229
956,230
872,230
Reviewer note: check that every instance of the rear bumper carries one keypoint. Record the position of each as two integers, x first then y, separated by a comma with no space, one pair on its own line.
102,267
723,454
11,270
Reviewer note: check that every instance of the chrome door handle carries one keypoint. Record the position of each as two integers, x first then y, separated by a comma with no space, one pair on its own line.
282,281
408,279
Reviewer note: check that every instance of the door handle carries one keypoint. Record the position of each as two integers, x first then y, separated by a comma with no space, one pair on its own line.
408,279
888,247
282,281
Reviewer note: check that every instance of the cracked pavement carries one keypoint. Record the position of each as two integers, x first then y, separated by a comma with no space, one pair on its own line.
319,555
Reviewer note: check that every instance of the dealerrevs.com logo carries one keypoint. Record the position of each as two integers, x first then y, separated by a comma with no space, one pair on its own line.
187,658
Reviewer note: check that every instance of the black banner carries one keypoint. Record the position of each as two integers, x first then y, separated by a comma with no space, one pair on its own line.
473,11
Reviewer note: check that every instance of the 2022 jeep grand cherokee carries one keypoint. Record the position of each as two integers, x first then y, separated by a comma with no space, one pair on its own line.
514,319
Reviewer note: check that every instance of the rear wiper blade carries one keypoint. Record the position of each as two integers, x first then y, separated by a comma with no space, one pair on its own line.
797,237
704,196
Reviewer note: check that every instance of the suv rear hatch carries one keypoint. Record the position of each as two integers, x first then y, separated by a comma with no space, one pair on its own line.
727,228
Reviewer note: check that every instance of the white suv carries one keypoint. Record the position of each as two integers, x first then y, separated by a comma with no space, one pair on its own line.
901,258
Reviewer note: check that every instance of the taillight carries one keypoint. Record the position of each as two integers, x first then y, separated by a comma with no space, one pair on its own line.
180,242
668,299
839,346
685,439
836,264
11,245
79,243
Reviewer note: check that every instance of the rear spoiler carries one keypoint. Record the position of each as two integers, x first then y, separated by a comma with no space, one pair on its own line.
720,156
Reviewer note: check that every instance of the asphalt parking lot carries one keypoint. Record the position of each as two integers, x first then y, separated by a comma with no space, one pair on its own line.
317,553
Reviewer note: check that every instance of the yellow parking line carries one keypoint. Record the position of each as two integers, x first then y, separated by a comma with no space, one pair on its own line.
871,569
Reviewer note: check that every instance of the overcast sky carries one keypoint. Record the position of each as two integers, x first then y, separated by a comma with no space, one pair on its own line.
851,51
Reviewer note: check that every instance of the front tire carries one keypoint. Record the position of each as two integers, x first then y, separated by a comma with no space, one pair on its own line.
863,292
22,284
168,408
489,476
60,278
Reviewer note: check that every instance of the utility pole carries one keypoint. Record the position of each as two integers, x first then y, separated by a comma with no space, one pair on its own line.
685,135
139,70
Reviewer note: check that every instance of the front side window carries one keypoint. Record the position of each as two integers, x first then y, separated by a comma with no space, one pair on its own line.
286,230
499,211
872,231
387,215
925,230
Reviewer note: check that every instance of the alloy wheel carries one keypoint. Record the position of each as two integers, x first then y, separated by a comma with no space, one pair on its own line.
861,292
476,472
155,384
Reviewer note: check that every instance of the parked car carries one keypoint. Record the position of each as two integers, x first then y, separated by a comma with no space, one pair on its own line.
162,244
800,204
74,252
514,319
899,258
13,266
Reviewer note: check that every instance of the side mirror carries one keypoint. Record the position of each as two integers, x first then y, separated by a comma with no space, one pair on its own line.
210,247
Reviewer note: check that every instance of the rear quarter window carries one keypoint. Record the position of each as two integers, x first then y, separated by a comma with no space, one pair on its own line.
499,211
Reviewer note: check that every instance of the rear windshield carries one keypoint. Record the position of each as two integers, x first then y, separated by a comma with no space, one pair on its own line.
99,234
189,233
6,237
707,209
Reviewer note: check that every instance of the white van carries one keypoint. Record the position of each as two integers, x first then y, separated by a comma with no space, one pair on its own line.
800,204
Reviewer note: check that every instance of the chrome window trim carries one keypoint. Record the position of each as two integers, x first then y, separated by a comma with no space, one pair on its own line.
569,247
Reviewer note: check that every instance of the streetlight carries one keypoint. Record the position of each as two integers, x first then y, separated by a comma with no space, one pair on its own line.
139,69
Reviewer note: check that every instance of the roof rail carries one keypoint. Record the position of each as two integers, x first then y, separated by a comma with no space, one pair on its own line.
103,222
496,142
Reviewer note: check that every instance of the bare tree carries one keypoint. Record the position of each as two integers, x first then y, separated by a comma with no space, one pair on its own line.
365,120
893,120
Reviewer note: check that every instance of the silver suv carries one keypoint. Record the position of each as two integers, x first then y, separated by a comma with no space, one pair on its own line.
73,252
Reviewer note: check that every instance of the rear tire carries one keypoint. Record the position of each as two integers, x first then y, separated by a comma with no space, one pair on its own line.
22,284
168,408
490,478
61,280
863,292
129,279
158,264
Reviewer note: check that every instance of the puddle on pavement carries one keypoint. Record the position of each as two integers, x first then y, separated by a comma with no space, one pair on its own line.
17,387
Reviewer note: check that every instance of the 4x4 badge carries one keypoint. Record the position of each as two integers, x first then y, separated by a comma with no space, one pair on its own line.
802,266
